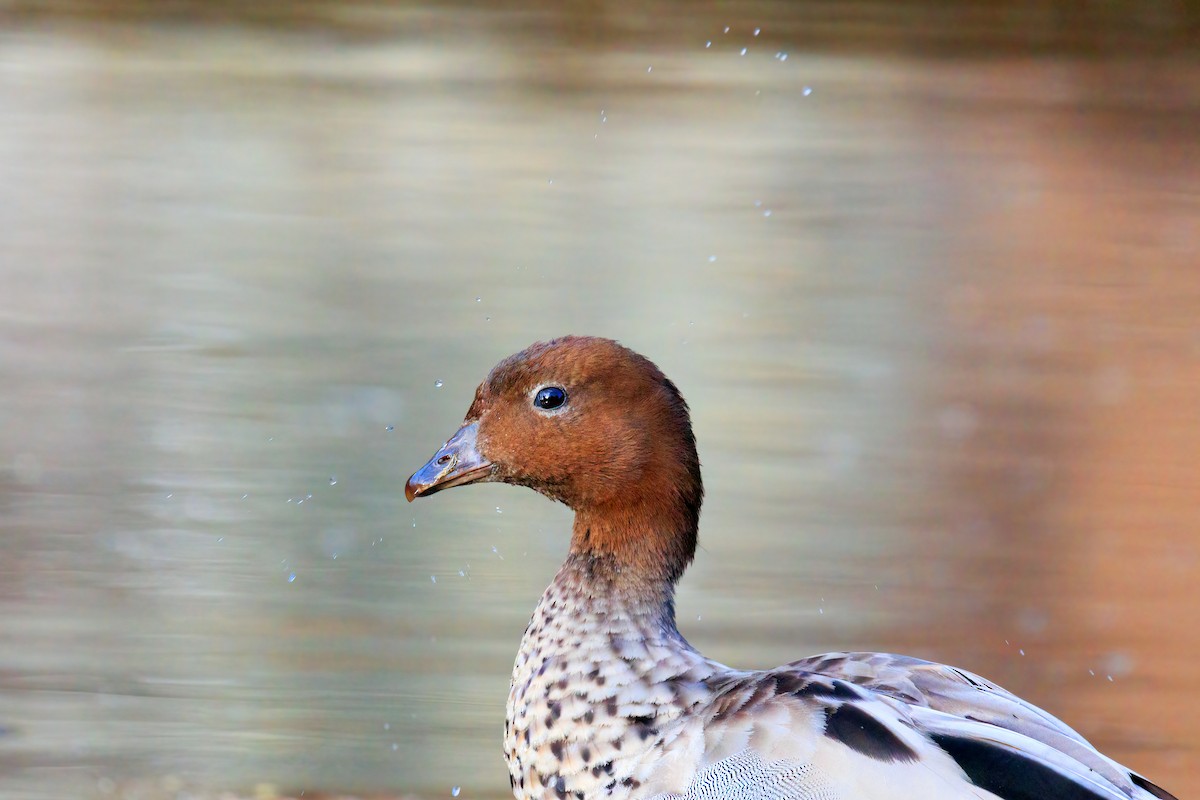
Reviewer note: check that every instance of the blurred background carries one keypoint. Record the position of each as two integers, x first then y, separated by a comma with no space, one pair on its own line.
927,273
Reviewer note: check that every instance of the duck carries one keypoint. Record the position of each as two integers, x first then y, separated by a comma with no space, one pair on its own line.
608,701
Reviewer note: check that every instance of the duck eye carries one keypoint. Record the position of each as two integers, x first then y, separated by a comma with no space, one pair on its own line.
550,398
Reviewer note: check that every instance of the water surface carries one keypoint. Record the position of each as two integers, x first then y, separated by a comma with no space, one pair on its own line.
938,320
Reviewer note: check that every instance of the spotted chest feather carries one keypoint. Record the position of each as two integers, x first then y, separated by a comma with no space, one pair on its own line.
599,692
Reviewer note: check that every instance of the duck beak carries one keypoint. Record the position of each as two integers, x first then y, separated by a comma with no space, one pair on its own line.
458,462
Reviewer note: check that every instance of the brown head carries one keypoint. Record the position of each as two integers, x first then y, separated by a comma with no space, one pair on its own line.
598,427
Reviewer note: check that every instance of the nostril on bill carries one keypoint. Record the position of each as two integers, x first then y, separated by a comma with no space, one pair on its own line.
444,460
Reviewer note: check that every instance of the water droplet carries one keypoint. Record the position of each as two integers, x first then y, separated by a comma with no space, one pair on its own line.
462,574
454,791
433,578
807,91
292,577
712,259
1021,651
395,747
744,49
767,213
783,56
478,299
438,384
487,319
649,69
390,428
708,44
333,480
727,29
498,511
170,496
220,539
757,31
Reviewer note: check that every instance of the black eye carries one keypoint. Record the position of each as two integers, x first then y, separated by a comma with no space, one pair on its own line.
550,397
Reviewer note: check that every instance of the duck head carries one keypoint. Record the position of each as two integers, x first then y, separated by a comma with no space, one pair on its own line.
594,425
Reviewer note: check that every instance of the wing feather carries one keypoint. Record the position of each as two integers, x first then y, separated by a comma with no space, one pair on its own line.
874,725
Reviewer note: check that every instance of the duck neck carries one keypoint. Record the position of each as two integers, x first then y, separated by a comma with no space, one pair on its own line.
600,584
635,548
